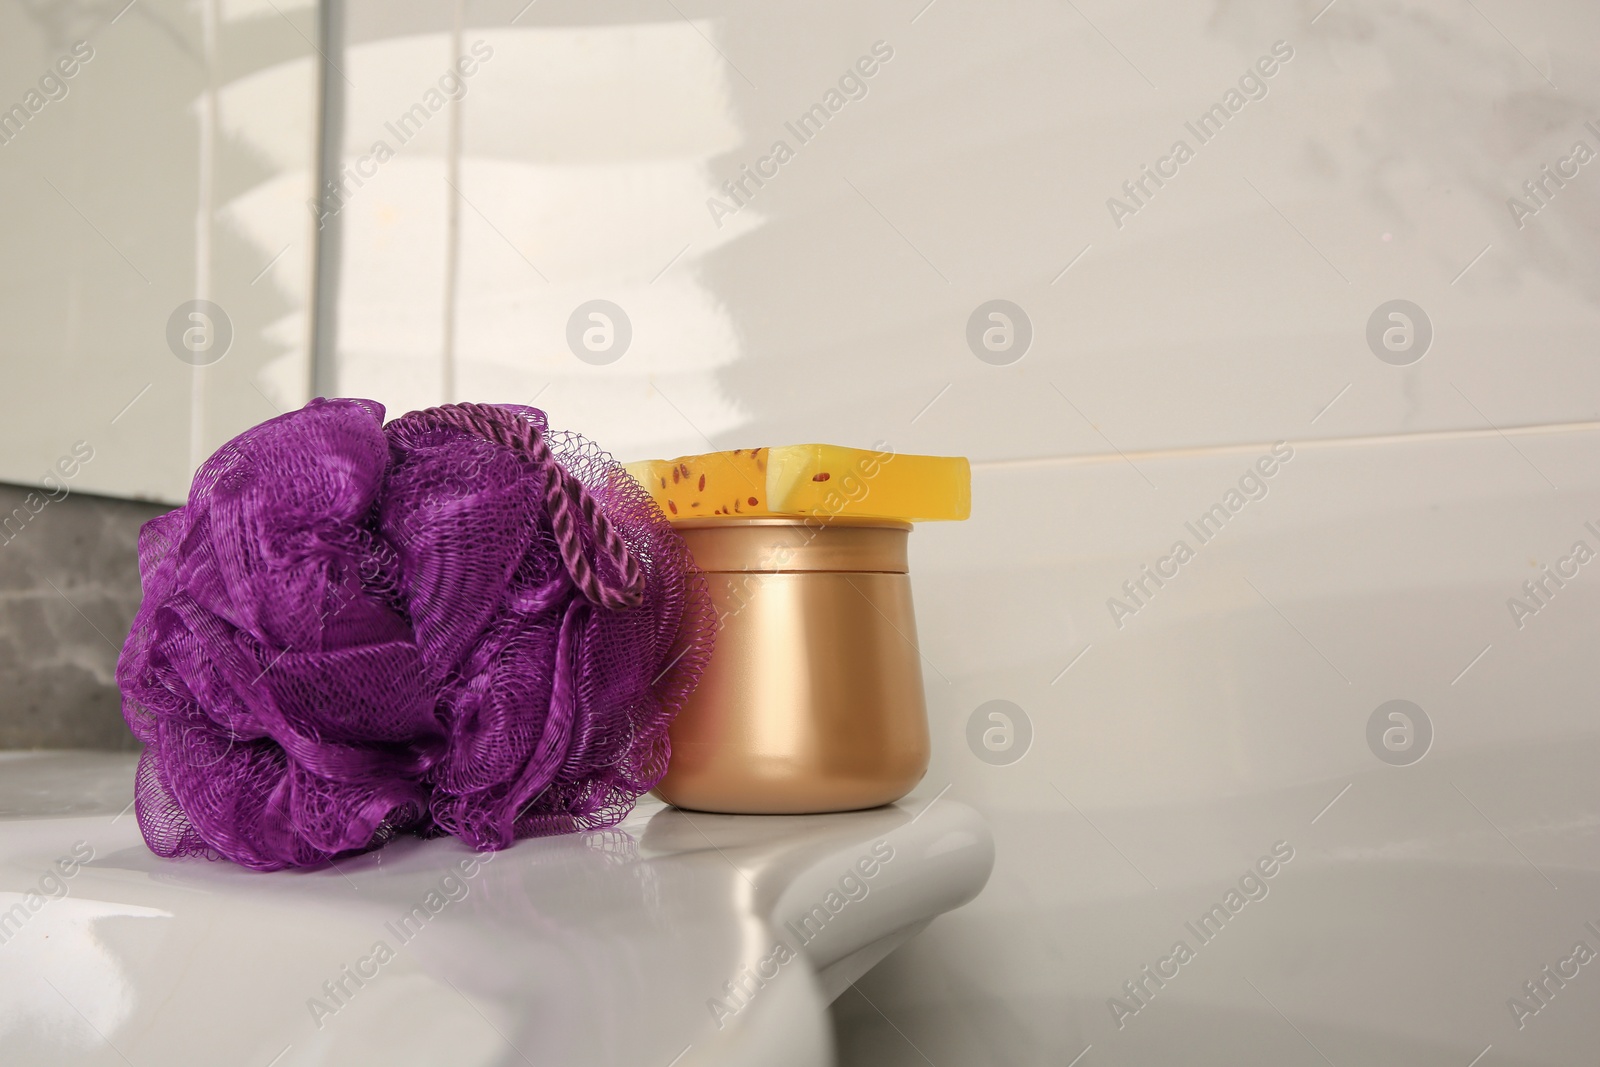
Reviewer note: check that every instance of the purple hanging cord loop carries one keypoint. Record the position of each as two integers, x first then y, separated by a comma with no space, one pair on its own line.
563,494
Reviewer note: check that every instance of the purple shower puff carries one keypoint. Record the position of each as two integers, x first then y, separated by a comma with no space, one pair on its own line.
459,622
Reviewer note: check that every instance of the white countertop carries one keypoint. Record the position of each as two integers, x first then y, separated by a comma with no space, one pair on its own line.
614,947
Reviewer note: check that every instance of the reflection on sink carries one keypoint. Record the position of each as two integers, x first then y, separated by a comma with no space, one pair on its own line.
60,970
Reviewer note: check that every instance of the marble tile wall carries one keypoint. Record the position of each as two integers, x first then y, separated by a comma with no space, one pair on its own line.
69,585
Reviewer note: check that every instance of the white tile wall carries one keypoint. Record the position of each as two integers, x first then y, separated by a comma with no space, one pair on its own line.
1225,716
1169,353
1231,307
175,167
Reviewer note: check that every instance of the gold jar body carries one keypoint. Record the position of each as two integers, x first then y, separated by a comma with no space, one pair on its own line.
813,700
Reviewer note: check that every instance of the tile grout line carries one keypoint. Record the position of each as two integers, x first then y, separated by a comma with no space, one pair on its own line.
1206,451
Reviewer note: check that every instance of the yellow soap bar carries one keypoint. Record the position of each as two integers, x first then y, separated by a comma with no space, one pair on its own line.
809,480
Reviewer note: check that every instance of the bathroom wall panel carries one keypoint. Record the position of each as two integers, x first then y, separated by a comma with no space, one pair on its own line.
173,165
831,299
1231,711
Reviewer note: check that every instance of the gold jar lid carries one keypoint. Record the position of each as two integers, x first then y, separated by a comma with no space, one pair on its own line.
780,544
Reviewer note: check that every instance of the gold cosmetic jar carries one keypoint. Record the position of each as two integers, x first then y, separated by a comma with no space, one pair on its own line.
812,700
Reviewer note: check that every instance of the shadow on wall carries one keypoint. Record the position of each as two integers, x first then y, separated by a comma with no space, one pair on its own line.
69,586
1492,142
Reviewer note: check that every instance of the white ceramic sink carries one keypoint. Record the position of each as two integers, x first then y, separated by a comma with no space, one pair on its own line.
676,938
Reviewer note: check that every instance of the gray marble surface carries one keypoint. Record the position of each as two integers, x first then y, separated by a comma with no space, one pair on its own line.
69,585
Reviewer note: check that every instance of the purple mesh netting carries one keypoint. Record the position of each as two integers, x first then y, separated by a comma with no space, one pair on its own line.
355,630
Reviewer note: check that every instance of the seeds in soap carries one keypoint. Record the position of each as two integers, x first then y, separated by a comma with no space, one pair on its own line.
811,480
